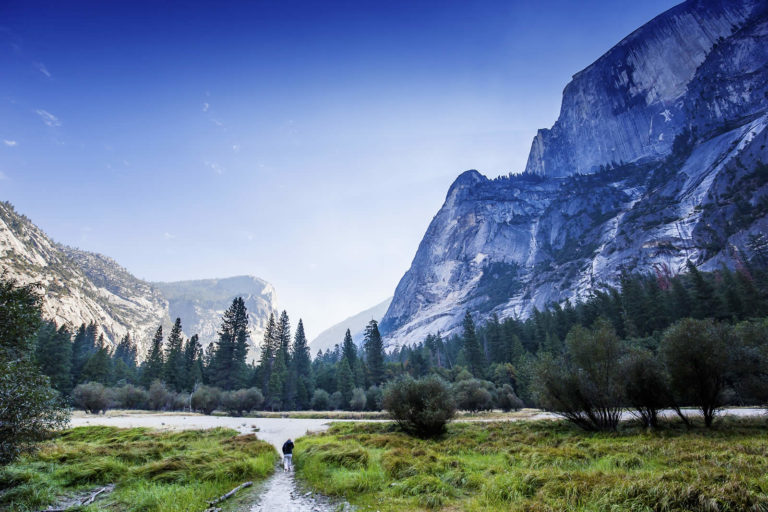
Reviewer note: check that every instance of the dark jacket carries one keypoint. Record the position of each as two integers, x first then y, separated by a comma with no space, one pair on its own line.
288,448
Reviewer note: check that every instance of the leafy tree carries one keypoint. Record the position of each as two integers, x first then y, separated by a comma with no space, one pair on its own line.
205,399
374,353
152,369
321,401
647,386
697,356
473,395
474,352
358,400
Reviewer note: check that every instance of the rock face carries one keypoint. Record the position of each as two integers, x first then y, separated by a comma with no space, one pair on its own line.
78,286
356,325
201,303
658,156
83,287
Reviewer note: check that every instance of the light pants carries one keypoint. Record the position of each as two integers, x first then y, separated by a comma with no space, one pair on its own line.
287,461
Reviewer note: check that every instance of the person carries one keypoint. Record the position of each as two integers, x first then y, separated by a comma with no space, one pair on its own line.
287,455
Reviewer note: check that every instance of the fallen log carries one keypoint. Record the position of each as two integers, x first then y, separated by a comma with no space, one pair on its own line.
231,493
85,501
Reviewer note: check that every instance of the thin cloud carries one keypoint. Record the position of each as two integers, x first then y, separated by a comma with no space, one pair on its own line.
48,118
41,68
9,143
236,148
206,106
3,176
168,236
217,122
215,167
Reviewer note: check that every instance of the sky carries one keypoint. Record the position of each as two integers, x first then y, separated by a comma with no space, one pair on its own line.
307,143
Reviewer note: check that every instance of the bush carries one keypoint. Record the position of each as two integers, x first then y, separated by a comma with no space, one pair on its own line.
647,386
129,397
358,400
473,395
420,407
206,399
241,401
507,400
373,398
91,397
336,400
179,401
321,401
159,397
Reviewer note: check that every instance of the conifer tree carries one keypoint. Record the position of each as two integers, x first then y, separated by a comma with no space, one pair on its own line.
276,382
705,301
374,353
474,353
302,368
83,346
229,369
348,349
345,381
193,363
264,370
152,369
98,368
53,355
496,346
174,358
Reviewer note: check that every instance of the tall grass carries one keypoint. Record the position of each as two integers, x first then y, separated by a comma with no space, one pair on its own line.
542,466
153,471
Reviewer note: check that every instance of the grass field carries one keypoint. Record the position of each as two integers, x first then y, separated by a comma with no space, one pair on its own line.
153,471
541,466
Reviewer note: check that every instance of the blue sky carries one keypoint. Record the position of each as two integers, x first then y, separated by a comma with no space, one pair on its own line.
307,143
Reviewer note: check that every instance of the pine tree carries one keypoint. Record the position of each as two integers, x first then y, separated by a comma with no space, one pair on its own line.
276,382
496,347
374,353
124,361
302,368
348,349
53,354
193,363
98,368
174,358
83,346
264,370
345,381
474,353
152,369
705,301
228,366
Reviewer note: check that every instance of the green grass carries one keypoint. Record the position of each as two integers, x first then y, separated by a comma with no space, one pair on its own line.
541,466
153,471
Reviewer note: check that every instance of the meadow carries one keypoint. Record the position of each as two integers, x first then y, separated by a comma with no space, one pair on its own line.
542,466
151,470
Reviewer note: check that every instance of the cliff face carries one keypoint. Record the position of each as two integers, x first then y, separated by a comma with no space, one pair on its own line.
79,287
83,287
630,104
619,183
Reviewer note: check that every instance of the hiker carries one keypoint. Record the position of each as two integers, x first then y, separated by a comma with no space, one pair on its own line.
287,455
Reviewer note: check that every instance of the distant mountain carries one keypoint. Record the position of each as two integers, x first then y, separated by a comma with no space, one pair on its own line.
83,287
201,303
658,156
356,324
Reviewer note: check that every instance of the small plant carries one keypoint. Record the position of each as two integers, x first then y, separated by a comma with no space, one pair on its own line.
420,407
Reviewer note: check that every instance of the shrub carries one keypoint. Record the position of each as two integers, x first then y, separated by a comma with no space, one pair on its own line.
241,401
420,407
507,400
91,397
336,400
321,401
373,398
206,399
129,397
697,356
159,397
358,400
179,401
473,395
